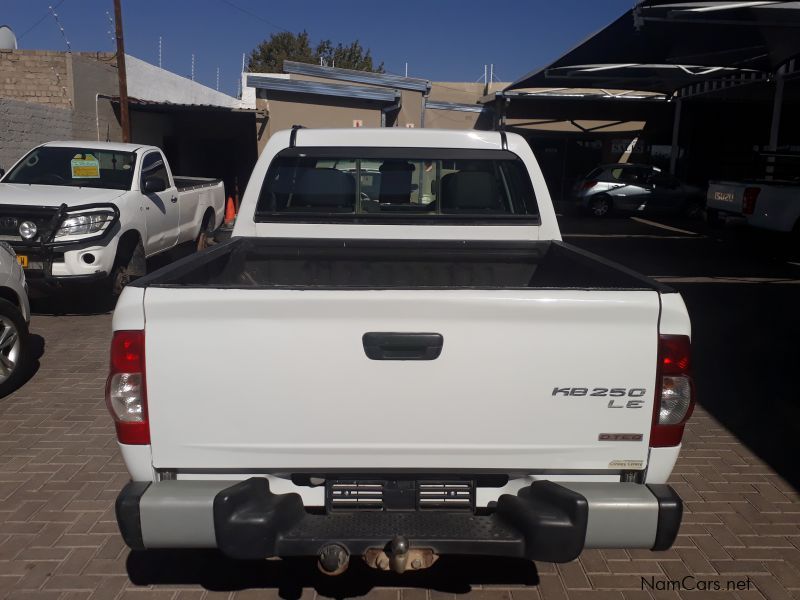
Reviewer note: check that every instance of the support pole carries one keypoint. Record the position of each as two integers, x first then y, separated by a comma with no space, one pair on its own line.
123,76
775,127
676,129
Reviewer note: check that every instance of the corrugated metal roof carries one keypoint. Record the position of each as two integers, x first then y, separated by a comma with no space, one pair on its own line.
322,89
379,79
179,106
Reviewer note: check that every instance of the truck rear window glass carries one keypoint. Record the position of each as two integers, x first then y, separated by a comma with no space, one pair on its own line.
404,185
76,167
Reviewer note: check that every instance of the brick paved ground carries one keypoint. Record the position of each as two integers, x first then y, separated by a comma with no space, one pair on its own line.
60,472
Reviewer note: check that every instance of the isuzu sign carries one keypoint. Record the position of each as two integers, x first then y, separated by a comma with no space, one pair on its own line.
723,196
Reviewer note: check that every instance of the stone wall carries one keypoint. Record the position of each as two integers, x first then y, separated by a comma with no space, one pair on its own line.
38,76
46,96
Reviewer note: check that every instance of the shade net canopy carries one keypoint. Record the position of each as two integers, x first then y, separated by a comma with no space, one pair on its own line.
661,46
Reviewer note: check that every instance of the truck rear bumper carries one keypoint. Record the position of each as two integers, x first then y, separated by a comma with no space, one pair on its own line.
544,521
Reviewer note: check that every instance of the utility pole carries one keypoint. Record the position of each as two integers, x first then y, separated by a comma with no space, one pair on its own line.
123,77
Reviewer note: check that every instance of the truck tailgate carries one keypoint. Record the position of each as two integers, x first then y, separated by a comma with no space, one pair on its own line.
725,195
279,379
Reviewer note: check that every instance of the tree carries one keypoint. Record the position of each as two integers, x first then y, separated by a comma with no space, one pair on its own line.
269,55
346,57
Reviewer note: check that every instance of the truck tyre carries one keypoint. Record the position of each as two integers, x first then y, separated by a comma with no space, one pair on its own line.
203,240
129,264
15,348
694,209
712,217
600,206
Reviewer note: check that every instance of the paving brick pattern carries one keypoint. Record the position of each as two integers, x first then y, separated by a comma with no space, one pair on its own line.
60,472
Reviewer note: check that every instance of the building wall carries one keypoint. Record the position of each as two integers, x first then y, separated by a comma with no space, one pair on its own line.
326,112
46,96
24,125
456,91
453,119
37,76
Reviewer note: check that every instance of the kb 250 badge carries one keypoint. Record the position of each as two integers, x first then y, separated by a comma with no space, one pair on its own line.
620,397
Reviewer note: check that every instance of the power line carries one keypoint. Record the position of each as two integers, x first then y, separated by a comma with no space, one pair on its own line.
39,21
254,15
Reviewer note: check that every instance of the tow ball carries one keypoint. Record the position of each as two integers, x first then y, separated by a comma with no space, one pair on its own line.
399,557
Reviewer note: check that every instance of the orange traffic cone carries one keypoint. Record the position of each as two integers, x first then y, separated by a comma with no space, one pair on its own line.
230,212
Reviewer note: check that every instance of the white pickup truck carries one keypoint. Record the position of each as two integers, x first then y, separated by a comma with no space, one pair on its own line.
416,366
769,201
76,212
766,204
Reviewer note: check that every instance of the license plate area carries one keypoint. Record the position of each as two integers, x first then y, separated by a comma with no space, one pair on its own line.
22,260
403,494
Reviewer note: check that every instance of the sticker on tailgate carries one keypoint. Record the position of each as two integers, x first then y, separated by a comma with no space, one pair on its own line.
626,464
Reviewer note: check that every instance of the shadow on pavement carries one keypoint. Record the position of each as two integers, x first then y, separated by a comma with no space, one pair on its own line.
84,302
745,311
215,572
745,353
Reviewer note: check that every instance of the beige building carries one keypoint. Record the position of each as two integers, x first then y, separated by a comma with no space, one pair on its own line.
317,96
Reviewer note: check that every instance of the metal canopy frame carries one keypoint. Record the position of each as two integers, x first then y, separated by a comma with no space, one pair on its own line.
274,84
663,46
681,50
456,106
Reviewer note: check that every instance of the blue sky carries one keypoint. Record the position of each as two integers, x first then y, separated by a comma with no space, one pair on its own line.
441,39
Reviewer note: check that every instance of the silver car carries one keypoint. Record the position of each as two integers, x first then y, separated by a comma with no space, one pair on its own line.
15,314
636,188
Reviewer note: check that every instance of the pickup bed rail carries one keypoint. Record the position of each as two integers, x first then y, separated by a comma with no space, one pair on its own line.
259,263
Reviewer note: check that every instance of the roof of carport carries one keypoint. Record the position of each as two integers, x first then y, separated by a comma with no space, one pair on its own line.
661,46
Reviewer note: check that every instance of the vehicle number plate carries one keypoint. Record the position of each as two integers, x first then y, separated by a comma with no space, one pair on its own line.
22,260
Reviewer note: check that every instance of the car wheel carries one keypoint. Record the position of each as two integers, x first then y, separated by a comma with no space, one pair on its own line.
600,206
203,240
128,266
14,347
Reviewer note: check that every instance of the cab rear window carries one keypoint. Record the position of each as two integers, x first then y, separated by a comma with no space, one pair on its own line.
377,184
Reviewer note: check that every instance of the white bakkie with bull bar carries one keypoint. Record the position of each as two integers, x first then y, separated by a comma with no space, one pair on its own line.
416,365
81,212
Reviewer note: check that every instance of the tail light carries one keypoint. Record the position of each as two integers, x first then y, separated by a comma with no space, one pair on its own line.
749,198
126,390
587,185
674,400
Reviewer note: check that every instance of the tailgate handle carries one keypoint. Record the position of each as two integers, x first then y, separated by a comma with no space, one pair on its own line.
402,346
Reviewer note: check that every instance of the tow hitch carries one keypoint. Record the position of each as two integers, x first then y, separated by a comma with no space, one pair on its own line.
398,557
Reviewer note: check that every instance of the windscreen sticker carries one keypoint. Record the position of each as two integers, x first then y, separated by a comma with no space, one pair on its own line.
85,166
